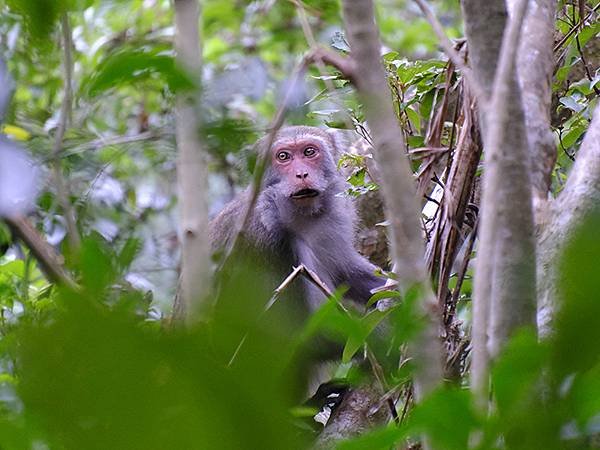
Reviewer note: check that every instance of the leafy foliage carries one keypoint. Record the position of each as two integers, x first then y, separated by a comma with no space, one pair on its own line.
102,367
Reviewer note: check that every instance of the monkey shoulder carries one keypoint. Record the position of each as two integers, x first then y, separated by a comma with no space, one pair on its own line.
260,231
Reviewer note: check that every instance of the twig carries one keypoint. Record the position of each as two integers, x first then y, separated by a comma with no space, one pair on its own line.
311,276
575,28
97,144
380,377
284,284
62,191
321,57
344,64
262,162
406,403
299,270
448,48
460,276
585,65
50,262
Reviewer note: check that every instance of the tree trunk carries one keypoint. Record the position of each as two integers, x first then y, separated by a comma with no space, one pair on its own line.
504,288
402,208
580,196
535,71
191,173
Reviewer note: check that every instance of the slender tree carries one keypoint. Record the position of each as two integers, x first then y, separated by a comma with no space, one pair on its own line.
192,171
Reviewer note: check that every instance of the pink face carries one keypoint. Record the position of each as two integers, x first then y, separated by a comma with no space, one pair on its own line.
299,161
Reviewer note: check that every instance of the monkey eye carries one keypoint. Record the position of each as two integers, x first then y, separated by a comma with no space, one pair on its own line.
283,156
309,152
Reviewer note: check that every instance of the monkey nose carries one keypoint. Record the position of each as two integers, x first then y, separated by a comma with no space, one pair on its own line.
301,175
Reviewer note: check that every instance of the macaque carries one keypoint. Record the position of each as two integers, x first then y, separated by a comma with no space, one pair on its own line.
301,218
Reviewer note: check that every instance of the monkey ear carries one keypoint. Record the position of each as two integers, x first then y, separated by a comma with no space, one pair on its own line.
339,143
343,141
260,146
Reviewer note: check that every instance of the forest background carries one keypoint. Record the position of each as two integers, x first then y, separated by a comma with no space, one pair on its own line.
98,100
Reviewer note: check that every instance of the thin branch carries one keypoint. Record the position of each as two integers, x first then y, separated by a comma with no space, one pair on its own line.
263,161
460,276
575,28
192,301
401,205
62,191
579,197
499,307
284,284
406,403
102,142
296,271
448,48
344,64
585,65
321,57
50,262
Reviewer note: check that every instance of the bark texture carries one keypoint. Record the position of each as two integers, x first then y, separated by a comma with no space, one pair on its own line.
580,196
535,71
504,288
360,410
402,212
402,208
191,173
484,27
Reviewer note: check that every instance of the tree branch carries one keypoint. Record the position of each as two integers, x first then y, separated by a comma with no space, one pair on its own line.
402,210
452,54
50,261
345,65
263,160
535,69
62,191
580,196
484,28
504,289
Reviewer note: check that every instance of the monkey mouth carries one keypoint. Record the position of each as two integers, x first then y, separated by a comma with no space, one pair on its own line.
305,193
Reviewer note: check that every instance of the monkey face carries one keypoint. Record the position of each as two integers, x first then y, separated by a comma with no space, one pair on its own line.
302,162
301,179
299,165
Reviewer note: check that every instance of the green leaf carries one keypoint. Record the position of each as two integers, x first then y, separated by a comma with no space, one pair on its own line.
16,268
133,66
96,264
367,325
577,323
415,141
381,295
40,16
414,118
587,33
573,103
129,251
447,417
517,372
569,138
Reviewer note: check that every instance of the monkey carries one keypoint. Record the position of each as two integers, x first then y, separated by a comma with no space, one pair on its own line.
301,217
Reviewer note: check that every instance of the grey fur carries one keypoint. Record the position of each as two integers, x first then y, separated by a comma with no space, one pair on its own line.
320,235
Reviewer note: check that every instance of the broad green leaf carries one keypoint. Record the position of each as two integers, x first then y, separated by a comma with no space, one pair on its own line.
367,325
132,66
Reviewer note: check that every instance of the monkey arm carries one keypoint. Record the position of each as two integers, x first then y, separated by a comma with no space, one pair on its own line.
361,279
222,227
